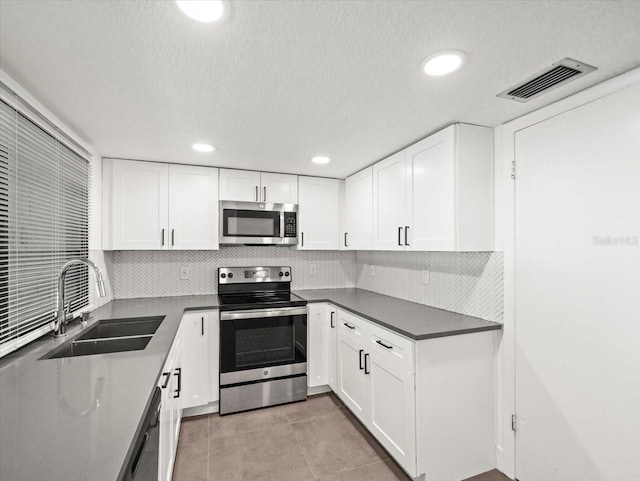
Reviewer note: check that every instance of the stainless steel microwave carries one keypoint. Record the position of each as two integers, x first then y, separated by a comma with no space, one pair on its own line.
252,223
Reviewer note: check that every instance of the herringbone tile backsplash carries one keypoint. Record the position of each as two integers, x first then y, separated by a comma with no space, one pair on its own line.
466,282
157,273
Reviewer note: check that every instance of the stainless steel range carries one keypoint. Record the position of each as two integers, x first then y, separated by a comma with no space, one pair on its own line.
263,339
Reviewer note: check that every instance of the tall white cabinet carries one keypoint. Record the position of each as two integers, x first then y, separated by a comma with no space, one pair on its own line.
319,213
321,342
156,206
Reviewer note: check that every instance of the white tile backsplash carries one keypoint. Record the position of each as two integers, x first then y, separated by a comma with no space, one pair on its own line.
466,282
157,273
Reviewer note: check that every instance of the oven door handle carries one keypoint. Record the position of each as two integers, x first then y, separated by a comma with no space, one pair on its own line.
261,313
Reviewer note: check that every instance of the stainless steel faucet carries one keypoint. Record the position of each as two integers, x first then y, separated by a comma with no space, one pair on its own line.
61,313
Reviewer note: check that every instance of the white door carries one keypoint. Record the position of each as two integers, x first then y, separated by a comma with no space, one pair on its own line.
214,356
278,188
176,406
318,213
389,180
392,417
140,206
578,293
240,185
352,382
193,207
431,205
195,335
359,210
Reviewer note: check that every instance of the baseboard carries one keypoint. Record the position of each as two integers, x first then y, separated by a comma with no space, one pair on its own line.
210,408
311,391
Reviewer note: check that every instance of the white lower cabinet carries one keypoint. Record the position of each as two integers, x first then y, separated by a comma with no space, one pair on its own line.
392,413
321,345
170,411
199,333
377,387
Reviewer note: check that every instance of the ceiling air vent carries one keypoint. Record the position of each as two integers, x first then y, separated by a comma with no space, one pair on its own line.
547,79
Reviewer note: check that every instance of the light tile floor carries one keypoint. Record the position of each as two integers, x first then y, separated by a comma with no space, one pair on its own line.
316,440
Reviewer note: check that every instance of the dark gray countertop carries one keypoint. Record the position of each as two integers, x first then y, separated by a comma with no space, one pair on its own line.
412,320
76,418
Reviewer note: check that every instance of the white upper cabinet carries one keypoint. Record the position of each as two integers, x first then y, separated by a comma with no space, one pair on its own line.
389,188
436,195
319,213
450,197
193,207
155,206
135,207
253,186
240,185
279,188
359,210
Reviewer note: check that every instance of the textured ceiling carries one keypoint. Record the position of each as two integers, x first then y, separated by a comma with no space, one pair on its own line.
282,81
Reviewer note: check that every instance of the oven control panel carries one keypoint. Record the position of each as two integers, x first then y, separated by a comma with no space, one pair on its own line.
249,275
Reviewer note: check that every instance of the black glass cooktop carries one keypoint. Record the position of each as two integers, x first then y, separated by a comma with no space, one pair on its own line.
259,300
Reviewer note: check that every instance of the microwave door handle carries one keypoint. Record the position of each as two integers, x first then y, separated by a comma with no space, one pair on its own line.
281,234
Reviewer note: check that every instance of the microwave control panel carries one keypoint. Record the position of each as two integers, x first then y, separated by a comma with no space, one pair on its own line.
290,224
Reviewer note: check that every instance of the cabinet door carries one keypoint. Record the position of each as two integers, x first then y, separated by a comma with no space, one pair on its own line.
214,356
352,382
332,374
195,333
431,208
359,205
278,188
240,185
318,213
392,417
193,207
167,414
317,345
176,408
139,205
389,179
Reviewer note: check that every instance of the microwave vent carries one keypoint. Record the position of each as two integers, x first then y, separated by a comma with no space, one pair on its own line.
553,76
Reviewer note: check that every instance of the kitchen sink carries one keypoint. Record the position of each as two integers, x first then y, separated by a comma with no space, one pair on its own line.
108,336
101,346
110,328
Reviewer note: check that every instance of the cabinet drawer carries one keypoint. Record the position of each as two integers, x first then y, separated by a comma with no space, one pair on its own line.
393,347
351,326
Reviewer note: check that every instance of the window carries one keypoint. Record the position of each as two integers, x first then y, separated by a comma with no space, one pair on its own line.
44,187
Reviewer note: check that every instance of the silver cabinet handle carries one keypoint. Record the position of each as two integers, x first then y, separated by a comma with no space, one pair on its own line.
265,193
173,237
162,238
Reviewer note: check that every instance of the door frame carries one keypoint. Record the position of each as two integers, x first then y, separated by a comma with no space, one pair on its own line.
504,205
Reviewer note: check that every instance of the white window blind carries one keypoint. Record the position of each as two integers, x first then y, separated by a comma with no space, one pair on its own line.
44,187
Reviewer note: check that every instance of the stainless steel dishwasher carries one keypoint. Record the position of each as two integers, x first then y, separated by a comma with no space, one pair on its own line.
143,463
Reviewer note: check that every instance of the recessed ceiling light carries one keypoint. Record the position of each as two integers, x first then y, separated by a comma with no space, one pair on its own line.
203,147
320,160
204,10
445,62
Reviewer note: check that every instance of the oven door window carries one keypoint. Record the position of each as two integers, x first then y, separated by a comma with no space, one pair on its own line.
262,342
250,223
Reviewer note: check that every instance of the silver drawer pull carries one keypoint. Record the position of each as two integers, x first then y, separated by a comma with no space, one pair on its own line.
383,344
348,325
